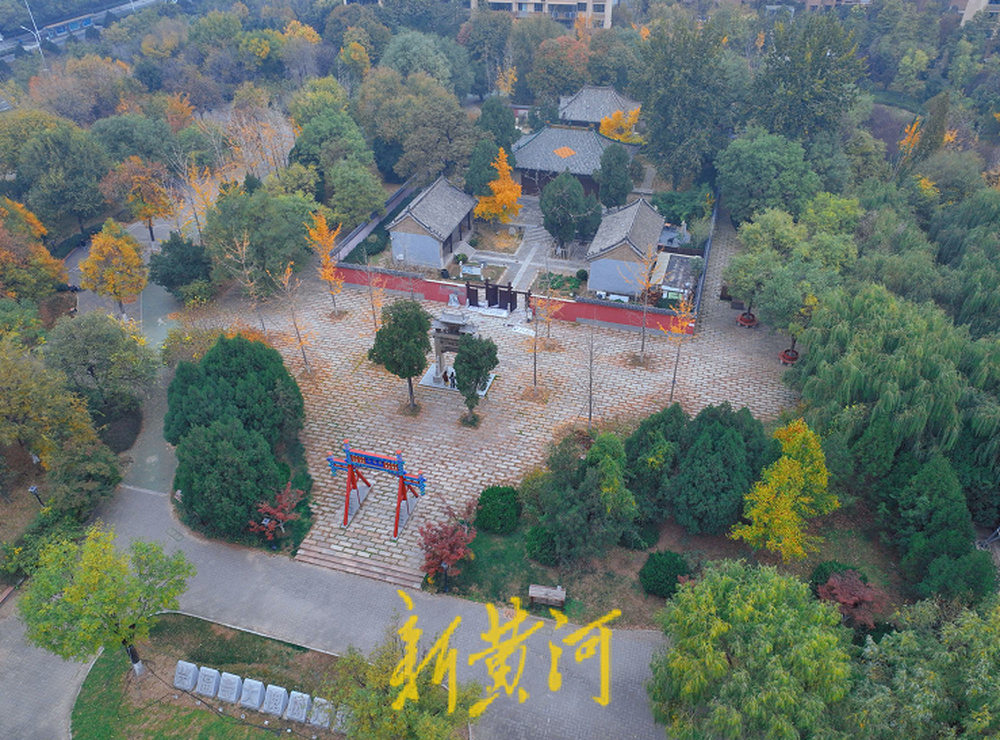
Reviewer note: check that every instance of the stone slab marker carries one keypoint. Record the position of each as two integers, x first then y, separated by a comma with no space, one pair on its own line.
208,682
230,688
320,714
275,700
298,706
253,694
186,676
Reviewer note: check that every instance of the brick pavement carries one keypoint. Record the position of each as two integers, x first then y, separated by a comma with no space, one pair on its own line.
349,397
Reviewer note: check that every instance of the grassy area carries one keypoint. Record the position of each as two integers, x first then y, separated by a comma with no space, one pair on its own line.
501,569
112,704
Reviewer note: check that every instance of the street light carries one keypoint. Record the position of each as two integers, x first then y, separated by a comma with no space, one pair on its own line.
38,36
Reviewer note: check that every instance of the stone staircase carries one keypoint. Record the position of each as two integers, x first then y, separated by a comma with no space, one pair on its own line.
327,557
536,235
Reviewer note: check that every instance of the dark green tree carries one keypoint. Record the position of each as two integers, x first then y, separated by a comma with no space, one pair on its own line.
224,470
563,205
686,130
133,134
474,362
105,361
615,181
497,120
809,78
83,472
706,494
236,378
402,342
761,170
179,262
481,171
59,170
254,237
651,451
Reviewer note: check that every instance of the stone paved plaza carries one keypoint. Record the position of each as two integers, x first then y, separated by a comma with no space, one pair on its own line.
347,397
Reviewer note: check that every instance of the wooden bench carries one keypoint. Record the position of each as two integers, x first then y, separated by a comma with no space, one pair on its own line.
548,595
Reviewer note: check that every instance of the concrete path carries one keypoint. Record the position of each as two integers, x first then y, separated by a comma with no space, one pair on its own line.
39,689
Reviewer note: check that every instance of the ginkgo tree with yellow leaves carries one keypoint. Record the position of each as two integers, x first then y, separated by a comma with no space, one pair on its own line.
620,126
323,239
503,205
789,492
114,267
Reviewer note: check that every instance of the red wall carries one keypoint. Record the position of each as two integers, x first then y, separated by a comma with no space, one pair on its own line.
439,290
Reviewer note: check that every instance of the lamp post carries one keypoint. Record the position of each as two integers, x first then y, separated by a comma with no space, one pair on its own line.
38,36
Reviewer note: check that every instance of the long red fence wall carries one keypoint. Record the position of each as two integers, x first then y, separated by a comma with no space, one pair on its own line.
440,291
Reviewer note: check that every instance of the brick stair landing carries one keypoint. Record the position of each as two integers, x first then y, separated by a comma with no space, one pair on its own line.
346,563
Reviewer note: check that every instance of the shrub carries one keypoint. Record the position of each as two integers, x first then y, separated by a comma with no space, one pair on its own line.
445,544
858,602
196,293
498,510
540,545
582,275
822,572
224,471
49,526
659,574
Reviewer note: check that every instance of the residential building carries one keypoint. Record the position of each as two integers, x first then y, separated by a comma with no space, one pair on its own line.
563,11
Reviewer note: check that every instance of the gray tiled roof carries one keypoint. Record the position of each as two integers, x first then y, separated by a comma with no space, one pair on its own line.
592,104
439,208
557,149
638,224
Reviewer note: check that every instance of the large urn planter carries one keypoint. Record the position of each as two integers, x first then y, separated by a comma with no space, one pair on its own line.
747,319
788,356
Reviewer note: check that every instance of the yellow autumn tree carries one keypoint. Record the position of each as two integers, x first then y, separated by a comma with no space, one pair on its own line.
114,267
503,205
179,111
621,127
143,186
323,239
789,492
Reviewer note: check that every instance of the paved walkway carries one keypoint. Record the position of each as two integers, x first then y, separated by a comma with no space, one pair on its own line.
348,397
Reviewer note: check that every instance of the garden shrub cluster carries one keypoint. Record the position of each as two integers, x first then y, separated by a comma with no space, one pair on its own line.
235,417
498,510
660,572
619,491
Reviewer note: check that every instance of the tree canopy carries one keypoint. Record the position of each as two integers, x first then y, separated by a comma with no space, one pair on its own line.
751,655
402,342
88,596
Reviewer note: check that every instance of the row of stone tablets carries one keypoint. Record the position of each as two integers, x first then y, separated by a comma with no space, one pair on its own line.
251,694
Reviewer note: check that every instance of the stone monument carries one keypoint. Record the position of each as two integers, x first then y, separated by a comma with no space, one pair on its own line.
185,676
298,706
253,694
230,688
208,682
275,700
446,333
320,714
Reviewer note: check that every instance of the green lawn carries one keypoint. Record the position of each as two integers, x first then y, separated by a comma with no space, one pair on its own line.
112,705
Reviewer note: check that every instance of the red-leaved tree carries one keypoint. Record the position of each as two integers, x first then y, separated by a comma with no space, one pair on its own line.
859,602
276,515
446,543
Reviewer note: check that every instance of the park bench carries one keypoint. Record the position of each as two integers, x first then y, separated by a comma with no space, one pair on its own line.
548,595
